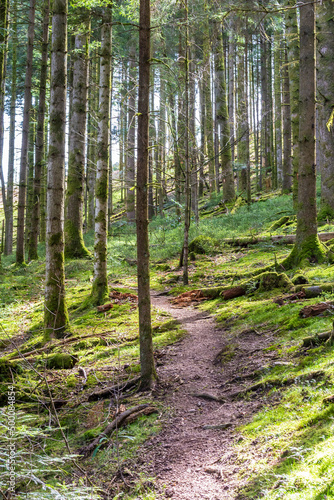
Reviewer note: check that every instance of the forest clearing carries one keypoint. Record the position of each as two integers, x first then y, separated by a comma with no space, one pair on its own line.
167,249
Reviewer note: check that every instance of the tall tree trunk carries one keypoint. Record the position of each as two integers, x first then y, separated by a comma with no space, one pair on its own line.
91,159
231,90
243,127
307,246
55,311
11,153
40,137
208,107
291,27
3,55
161,169
25,137
286,171
148,373
325,87
130,173
187,190
278,114
74,243
100,283
223,120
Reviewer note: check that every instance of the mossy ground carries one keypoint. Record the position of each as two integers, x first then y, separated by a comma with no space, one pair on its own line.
286,450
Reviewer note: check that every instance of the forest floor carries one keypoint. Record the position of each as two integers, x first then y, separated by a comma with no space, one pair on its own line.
194,455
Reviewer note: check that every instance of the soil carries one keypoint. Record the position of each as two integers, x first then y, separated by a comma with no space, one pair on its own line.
191,458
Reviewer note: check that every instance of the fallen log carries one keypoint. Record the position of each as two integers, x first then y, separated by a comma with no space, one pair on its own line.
234,292
119,421
113,389
317,339
316,309
281,238
312,291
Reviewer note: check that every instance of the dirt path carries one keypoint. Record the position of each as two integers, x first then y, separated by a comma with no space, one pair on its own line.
190,460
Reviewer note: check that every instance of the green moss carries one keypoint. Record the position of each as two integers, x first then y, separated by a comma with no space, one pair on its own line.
326,212
9,368
310,251
279,223
61,361
202,245
300,279
71,381
74,243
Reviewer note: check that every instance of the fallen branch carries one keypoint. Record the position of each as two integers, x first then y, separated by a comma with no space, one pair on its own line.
234,292
59,344
317,339
111,390
119,421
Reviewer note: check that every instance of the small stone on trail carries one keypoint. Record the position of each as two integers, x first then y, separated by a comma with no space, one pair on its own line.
217,427
169,493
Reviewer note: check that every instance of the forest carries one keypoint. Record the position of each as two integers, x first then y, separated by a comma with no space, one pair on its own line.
166,249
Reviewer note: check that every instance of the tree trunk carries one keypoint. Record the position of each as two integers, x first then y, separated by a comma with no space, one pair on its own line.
307,246
148,373
55,312
208,107
11,153
3,55
40,138
100,283
91,160
291,33
130,173
223,120
325,99
278,114
286,172
25,137
74,243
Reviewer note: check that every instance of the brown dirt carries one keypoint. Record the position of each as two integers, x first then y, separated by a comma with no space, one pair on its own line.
189,460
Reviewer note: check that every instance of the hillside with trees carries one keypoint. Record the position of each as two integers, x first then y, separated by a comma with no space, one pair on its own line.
167,246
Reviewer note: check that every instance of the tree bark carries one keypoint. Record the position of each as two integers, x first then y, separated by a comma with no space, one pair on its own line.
74,243
148,373
130,173
40,138
55,312
20,247
325,100
286,173
100,283
222,117
307,246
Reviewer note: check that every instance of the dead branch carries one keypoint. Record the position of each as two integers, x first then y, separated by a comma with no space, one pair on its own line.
111,390
119,421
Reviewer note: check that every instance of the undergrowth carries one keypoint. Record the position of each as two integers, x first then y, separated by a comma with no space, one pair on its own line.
287,448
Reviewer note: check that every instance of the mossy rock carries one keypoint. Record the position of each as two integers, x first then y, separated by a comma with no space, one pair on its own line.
300,279
279,223
7,368
202,245
269,281
162,267
61,361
